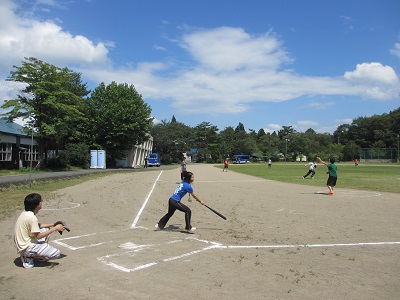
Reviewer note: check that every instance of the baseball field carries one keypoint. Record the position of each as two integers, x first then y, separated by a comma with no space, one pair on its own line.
280,241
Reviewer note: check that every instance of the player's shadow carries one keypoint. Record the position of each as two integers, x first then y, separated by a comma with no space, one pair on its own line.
174,228
322,193
38,263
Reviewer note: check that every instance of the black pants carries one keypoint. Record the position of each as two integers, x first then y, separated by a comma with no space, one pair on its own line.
172,207
312,172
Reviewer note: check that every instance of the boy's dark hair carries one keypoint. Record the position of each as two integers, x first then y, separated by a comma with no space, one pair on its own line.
332,160
32,201
187,177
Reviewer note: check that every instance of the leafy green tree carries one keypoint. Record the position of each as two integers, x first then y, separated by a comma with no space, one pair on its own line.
239,140
351,151
51,100
260,134
78,155
171,139
119,119
206,140
285,132
227,137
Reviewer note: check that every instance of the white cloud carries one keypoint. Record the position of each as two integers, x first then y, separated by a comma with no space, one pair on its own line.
320,105
307,124
273,127
347,22
161,48
343,121
227,49
374,80
373,72
396,50
25,37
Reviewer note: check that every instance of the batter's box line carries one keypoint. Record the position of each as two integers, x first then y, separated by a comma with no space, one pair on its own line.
312,245
105,259
214,245
70,247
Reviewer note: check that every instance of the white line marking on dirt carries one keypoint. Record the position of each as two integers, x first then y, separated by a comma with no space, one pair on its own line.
214,245
312,245
77,248
189,253
59,241
64,208
145,202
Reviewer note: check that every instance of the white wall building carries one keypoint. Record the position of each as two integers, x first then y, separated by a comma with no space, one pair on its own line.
135,157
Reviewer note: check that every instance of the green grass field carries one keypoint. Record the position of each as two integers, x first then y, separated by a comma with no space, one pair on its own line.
372,177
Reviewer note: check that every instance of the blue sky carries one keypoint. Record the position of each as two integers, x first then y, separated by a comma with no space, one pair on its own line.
267,64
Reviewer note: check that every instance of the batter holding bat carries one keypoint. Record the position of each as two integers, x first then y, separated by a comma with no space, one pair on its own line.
174,203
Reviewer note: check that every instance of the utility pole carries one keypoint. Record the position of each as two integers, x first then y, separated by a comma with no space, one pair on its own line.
31,158
287,140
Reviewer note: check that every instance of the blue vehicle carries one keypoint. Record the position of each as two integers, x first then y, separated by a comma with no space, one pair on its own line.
240,158
153,159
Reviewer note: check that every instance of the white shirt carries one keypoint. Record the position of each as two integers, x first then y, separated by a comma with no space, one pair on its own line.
26,225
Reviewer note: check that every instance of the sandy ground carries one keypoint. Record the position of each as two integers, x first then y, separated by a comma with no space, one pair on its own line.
280,241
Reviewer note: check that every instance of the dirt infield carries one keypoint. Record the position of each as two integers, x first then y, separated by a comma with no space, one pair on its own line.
280,241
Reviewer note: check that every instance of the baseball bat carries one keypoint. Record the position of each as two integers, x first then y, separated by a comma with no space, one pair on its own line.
217,213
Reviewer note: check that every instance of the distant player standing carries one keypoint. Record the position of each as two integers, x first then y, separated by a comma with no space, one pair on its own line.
332,171
183,168
226,164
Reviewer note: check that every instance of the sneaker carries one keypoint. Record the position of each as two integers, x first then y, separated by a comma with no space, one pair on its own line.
191,229
330,193
302,177
157,228
27,262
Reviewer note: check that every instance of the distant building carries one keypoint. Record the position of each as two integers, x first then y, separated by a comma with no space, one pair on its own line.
135,157
301,158
17,148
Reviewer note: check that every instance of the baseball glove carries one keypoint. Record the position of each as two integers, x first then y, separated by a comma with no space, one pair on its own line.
63,224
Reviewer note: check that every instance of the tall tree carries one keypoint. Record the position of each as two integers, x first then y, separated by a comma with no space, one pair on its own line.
119,118
206,139
52,101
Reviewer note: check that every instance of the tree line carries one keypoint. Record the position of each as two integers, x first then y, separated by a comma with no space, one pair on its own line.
172,138
63,114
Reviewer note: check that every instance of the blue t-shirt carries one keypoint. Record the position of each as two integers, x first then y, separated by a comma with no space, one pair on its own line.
181,190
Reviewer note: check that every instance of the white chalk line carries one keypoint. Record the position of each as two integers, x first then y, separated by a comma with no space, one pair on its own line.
64,208
311,245
61,243
104,259
215,245
221,181
145,203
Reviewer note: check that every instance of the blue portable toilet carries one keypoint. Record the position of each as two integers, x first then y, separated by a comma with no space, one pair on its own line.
101,159
93,159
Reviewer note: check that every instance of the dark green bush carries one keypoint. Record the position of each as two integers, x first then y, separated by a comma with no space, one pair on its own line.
78,155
